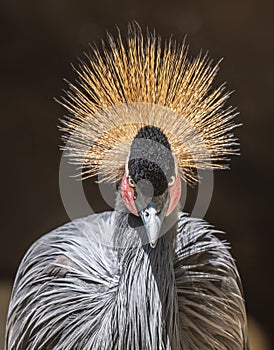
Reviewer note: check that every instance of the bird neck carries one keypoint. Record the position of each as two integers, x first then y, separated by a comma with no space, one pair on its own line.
147,277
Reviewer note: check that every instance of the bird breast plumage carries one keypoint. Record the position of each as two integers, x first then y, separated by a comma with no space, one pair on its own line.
76,289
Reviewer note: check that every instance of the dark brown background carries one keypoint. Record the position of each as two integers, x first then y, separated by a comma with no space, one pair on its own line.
39,40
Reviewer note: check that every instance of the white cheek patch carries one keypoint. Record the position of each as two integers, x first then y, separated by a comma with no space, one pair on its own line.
126,167
176,165
174,190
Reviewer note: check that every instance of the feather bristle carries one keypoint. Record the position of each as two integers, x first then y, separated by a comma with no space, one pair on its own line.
136,82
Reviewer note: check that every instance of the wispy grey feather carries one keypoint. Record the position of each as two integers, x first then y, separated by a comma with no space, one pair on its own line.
72,292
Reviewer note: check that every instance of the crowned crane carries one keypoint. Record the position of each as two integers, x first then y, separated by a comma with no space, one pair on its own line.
144,276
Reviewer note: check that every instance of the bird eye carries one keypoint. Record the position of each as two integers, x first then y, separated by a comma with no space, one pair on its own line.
171,181
131,182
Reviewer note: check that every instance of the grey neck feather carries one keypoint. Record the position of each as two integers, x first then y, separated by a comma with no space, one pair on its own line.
148,274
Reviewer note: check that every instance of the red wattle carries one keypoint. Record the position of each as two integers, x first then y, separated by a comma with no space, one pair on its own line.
175,195
128,196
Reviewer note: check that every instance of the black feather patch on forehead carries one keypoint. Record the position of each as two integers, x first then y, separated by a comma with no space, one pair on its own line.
151,159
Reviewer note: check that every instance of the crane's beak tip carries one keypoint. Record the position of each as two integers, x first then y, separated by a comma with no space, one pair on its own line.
153,243
153,217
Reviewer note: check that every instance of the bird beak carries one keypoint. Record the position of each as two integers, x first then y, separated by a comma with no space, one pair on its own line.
153,216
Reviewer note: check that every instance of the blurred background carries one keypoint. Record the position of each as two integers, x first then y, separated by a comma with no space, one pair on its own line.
39,40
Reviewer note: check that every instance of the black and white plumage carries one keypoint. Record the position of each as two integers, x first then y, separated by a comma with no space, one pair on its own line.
145,276
73,293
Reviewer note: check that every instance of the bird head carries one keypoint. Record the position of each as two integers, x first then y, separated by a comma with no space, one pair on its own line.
143,101
151,185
